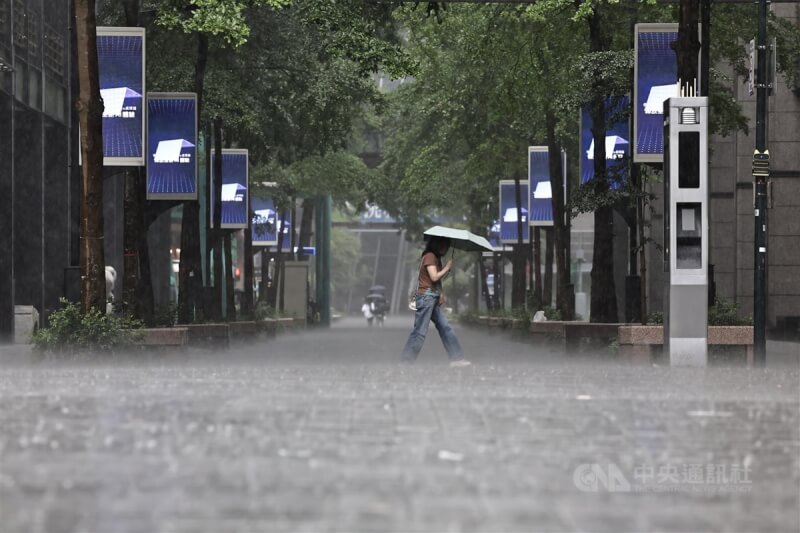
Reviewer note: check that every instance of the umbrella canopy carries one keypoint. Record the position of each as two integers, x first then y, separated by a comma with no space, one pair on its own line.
377,288
461,238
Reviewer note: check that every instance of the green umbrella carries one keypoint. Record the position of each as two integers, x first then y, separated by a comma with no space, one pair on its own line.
461,239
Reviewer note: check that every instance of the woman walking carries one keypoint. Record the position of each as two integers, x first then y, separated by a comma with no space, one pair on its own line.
429,305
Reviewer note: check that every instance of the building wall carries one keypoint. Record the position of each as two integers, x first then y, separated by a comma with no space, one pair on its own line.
732,217
731,206
37,185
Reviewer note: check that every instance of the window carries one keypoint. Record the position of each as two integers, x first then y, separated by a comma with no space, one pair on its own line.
54,52
20,25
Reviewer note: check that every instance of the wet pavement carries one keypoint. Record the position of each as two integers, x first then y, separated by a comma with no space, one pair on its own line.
325,431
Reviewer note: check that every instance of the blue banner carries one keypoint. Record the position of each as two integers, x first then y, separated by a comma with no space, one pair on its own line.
120,58
265,221
540,200
172,146
235,197
618,149
656,80
509,211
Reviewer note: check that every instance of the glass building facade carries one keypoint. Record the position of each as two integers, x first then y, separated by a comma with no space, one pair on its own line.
38,185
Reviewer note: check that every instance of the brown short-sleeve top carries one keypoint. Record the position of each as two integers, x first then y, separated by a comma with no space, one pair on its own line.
425,281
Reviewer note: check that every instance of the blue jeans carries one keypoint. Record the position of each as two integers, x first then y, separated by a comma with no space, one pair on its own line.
429,310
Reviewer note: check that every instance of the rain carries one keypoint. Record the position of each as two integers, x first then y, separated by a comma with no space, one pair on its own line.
294,265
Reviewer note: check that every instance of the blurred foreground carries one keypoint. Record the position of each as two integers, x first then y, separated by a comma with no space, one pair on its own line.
325,431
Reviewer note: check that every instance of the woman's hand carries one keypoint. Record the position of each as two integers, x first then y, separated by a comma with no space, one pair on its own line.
442,299
448,266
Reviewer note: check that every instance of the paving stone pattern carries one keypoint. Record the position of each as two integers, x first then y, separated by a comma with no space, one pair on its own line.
326,431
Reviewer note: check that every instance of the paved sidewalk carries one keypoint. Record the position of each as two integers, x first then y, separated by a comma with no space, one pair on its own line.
326,432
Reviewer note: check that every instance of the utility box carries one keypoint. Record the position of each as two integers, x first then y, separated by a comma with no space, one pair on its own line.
26,322
686,230
295,292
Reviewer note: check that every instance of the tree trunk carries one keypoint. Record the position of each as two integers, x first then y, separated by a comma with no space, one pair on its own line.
217,223
292,226
274,297
133,221
518,254
304,238
603,299
263,296
230,301
146,298
130,244
560,229
687,46
640,206
247,295
190,270
483,283
537,266
547,292
281,266
90,112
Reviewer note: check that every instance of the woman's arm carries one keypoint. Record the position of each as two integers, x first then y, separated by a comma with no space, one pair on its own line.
437,275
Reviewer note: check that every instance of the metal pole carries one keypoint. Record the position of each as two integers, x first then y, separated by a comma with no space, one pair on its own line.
760,184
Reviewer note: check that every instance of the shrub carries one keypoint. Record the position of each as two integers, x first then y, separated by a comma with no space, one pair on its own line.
70,332
264,311
521,314
551,313
165,316
654,319
466,317
724,313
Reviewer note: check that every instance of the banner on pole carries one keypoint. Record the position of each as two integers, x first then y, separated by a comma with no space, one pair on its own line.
618,148
121,65
235,194
172,146
655,73
540,199
264,225
510,212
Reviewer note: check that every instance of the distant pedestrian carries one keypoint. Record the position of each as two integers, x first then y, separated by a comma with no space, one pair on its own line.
367,310
429,300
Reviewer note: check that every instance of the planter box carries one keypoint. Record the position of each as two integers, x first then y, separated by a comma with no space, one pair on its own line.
268,326
165,338
636,341
285,324
208,335
495,322
244,331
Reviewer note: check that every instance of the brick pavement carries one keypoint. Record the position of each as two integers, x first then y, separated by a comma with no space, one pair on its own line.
325,432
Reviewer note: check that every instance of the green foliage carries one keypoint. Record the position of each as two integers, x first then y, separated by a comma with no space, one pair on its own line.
787,35
165,316
724,313
264,311
465,317
223,18
70,332
522,314
551,313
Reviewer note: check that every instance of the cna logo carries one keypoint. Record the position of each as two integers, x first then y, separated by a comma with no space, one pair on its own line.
594,477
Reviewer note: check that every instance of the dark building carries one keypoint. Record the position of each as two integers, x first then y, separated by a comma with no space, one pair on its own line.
39,191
